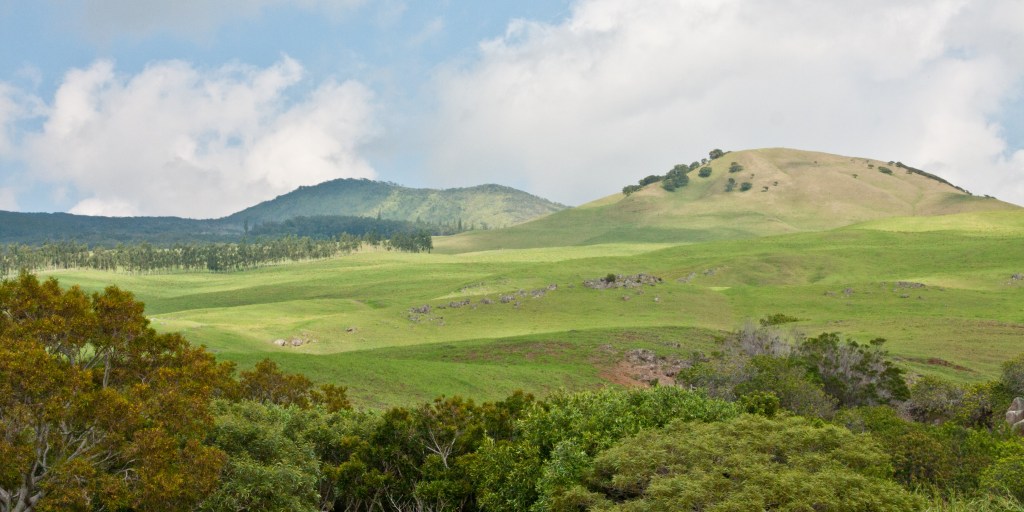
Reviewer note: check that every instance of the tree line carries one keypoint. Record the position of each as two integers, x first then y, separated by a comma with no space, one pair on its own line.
100,412
200,257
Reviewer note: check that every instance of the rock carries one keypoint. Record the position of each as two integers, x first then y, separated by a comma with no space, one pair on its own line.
351,329
1017,277
622,281
297,342
280,342
908,284
1015,416
424,309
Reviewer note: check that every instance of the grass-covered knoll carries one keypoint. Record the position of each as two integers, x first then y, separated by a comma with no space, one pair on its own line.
791,191
479,207
945,299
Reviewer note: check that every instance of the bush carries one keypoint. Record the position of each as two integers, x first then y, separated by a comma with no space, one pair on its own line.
704,172
735,167
730,185
629,189
654,178
745,186
751,463
854,373
884,170
1012,377
933,400
675,178
777,319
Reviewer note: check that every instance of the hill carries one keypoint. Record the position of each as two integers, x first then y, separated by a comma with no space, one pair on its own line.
789,191
346,204
38,228
479,207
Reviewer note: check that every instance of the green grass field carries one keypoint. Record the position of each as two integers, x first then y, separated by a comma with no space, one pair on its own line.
966,319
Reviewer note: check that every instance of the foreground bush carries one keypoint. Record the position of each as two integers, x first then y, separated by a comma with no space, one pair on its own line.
751,463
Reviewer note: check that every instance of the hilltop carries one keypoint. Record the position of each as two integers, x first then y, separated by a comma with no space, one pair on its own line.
789,191
479,207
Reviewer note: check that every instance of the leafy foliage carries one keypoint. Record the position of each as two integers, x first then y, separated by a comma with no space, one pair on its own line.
96,408
750,463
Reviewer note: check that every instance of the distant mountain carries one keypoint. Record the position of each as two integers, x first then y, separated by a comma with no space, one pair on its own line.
490,206
335,203
773,191
37,228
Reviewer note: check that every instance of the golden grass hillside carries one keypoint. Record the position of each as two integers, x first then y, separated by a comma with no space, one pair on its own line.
790,191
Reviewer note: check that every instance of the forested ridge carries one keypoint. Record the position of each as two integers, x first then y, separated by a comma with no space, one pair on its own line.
100,412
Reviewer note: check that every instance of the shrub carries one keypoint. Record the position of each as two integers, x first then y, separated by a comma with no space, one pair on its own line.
704,172
629,189
884,170
675,178
1012,377
730,185
854,373
715,153
751,463
745,186
735,167
654,178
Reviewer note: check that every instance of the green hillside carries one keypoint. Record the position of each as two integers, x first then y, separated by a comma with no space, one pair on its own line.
480,207
940,289
790,191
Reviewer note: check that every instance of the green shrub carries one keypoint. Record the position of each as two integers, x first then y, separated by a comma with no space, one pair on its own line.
884,170
629,189
704,172
735,167
751,463
745,186
730,185
654,178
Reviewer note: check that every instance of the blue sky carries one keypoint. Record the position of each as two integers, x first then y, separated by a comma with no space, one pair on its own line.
200,108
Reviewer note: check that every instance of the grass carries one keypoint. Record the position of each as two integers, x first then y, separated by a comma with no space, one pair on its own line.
966,320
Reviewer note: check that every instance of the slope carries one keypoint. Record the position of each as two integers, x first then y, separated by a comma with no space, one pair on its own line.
789,191
482,207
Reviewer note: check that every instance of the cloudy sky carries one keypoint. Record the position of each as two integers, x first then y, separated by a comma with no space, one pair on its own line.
200,108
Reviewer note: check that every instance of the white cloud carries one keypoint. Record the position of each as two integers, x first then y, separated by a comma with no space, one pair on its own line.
104,19
622,89
175,140
8,199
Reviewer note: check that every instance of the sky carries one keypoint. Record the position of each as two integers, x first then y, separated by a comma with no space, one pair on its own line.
200,108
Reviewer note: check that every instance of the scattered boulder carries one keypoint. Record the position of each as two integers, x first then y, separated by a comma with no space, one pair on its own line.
1017,277
458,303
505,299
280,342
689,277
1015,416
422,310
908,284
622,281
486,300
351,329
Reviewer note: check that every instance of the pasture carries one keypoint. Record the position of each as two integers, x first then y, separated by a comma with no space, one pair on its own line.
939,289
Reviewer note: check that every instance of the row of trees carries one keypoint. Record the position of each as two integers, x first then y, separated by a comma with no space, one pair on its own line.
197,257
678,176
99,412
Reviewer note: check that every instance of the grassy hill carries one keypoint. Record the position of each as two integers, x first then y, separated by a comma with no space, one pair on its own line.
483,206
790,191
345,201
940,289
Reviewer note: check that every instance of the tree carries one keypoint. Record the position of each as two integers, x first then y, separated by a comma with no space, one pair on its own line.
751,463
854,373
715,153
97,410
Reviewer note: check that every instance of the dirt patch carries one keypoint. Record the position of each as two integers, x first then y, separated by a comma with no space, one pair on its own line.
936,361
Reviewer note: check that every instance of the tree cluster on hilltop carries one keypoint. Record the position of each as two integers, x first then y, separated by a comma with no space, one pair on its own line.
678,176
100,412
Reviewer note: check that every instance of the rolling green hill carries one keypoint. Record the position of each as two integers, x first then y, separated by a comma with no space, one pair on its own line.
345,202
790,191
480,207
